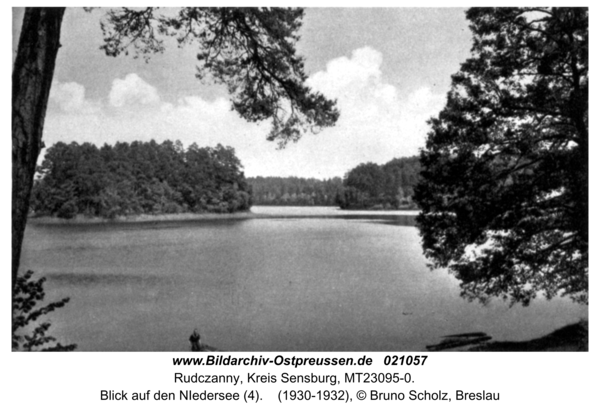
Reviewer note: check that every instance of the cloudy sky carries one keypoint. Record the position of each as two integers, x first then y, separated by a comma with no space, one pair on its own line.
389,69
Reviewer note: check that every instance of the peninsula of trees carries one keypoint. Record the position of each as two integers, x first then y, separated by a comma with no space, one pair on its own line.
138,178
385,187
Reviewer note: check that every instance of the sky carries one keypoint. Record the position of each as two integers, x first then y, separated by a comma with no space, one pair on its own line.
389,70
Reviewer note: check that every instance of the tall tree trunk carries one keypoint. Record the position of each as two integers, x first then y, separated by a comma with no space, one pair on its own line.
31,80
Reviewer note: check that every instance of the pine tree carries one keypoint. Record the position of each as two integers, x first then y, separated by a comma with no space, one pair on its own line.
504,186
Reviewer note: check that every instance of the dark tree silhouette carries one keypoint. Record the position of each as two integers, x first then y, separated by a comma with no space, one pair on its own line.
504,186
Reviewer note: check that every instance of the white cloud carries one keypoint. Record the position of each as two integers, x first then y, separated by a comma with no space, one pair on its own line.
70,97
345,76
377,122
132,90
191,119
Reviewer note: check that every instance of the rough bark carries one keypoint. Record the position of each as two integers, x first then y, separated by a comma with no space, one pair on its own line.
31,80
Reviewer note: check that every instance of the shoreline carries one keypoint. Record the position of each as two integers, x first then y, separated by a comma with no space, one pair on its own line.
80,219
571,337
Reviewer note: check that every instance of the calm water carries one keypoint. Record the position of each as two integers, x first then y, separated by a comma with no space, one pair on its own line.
300,279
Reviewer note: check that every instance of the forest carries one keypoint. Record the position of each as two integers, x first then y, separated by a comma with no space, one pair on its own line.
295,191
164,178
385,187
138,178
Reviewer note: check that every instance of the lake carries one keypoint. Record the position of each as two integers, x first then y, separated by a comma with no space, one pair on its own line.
295,279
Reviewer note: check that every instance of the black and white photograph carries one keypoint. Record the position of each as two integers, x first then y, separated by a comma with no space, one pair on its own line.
264,179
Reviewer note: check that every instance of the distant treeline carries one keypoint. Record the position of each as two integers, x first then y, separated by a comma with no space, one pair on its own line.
366,186
138,178
295,191
390,186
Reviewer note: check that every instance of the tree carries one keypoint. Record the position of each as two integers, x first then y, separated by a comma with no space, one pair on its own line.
251,50
31,79
504,185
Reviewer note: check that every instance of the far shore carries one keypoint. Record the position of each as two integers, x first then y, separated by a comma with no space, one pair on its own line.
81,219
140,218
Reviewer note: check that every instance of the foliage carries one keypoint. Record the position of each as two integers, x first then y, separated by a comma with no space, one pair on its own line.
26,295
250,50
390,186
295,191
504,186
136,178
